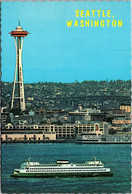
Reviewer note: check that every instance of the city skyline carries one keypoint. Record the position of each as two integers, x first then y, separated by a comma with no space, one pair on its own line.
55,53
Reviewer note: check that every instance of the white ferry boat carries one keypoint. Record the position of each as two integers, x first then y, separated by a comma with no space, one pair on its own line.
62,168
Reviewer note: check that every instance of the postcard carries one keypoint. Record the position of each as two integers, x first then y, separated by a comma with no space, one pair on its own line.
66,97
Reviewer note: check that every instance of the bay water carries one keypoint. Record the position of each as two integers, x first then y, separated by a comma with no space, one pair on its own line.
115,156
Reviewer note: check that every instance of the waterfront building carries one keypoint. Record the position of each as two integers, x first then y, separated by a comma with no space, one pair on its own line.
18,86
65,130
93,138
97,128
116,138
62,131
83,138
27,135
90,131
44,128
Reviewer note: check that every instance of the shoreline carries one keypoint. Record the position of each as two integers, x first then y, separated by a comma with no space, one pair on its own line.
61,141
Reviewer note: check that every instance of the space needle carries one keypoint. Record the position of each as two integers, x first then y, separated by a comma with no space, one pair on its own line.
18,87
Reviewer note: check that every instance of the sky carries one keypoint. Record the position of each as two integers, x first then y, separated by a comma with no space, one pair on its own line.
52,52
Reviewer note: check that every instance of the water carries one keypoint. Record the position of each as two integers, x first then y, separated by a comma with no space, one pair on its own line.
117,157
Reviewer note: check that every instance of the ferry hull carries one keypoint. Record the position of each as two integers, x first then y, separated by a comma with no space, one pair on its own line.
37,175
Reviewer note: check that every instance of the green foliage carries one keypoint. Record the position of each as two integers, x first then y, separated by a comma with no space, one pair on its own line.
41,92
16,111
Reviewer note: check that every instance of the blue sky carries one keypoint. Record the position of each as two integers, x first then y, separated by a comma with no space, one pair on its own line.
53,52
